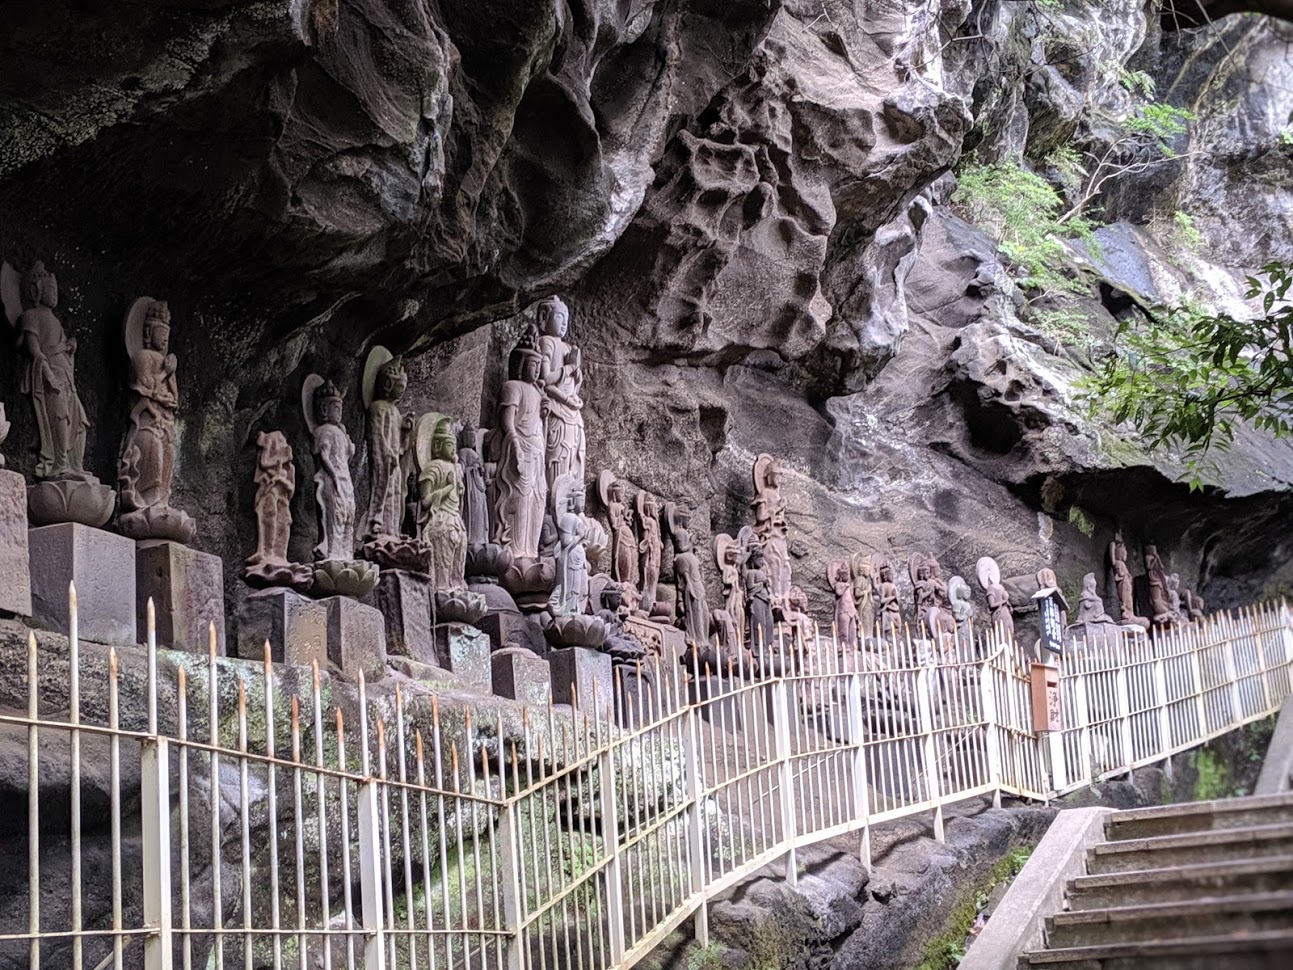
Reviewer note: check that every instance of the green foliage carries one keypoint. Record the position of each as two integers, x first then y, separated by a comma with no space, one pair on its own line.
1213,779
1159,123
1020,209
1065,324
1188,379
1185,231
706,958
947,949
1067,164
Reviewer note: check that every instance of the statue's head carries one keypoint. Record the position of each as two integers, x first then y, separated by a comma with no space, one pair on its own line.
328,401
612,597
865,567
40,287
1088,583
1046,578
392,381
886,572
553,316
157,327
525,362
649,506
467,437
755,557
798,599
444,444
578,498
1174,581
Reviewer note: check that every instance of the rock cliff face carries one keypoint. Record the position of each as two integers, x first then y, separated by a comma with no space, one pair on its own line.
747,204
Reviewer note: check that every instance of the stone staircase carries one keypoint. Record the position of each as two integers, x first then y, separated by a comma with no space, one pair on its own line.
1194,886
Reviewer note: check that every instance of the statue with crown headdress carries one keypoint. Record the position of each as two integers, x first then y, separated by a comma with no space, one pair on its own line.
439,500
520,483
562,376
147,468
65,491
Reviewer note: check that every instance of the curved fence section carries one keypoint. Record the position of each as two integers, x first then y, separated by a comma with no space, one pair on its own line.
180,811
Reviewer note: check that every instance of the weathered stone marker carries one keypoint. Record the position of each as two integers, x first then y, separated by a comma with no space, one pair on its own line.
187,589
101,564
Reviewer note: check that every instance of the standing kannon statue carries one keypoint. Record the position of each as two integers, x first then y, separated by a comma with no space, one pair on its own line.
147,467
388,465
687,575
840,573
650,548
989,575
571,595
336,570
275,485
563,378
624,545
890,609
930,593
1125,585
730,558
864,594
758,598
475,509
1159,596
65,491
770,526
439,501
520,485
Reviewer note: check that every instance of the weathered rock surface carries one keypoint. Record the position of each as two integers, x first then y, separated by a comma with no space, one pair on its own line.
746,203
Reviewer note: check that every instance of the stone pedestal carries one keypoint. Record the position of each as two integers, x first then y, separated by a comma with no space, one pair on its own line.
187,589
521,675
583,677
404,600
15,584
666,642
356,637
101,564
295,626
464,650
734,712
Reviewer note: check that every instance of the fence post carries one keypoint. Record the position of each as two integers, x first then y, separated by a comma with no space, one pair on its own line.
611,847
857,736
991,730
1082,708
925,713
696,828
370,877
1123,698
785,776
1232,674
1200,702
155,817
1164,716
509,831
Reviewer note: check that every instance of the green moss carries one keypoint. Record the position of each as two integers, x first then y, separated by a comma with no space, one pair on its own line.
1081,521
1213,780
947,949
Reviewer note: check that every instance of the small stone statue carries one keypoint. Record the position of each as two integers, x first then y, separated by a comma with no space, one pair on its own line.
1046,580
1160,600
989,575
520,485
846,611
890,609
864,594
958,593
625,650
1123,582
65,491
729,559
770,525
929,592
475,509
650,548
275,485
725,630
687,575
336,570
1194,604
439,501
4,431
1090,605
389,435
758,598
571,593
1174,597
796,618
147,467
562,380
624,546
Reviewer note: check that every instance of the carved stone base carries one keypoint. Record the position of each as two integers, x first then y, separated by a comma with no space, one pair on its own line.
521,675
85,502
404,599
356,637
274,574
351,577
101,564
457,606
666,642
464,650
530,581
576,630
399,552
582,677
15,584
187,589
295,626
161,522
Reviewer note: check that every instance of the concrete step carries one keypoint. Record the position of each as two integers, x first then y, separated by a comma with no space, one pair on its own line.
1242,951
1229,813
1206,916
1162,851
1178,883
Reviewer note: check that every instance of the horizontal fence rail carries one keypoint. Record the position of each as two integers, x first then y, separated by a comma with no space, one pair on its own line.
193,812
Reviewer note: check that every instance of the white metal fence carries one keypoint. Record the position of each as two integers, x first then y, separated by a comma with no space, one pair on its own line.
212,822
